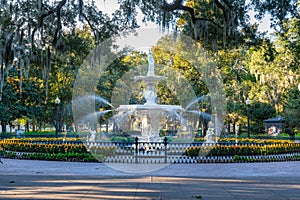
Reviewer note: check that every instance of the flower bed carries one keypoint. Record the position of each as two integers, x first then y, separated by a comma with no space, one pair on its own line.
53,149
260,147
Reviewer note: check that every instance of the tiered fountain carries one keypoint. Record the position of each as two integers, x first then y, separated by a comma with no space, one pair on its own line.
149,114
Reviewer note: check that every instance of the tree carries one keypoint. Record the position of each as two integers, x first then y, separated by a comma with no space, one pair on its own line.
289,42
20,102
9,105
271,67
260,112
279,10
292,112
41,38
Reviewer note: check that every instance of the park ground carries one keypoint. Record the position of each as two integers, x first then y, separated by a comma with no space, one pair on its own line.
31,179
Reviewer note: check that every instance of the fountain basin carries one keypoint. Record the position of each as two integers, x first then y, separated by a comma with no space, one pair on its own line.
150,79
151,117
158,107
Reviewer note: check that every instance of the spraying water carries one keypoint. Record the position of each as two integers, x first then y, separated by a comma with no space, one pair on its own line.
198,100
204,115
90,98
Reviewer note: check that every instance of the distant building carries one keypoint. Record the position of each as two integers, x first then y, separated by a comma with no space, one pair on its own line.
274,126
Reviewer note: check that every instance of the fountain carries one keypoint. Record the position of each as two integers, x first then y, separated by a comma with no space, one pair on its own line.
149,119
150,114
145,120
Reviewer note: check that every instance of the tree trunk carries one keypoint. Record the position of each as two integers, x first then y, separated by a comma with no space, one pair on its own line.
27,127
233,124
228,127
10,128
3,124
33,125
204,128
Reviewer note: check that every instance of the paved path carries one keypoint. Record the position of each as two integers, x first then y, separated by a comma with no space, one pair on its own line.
24,179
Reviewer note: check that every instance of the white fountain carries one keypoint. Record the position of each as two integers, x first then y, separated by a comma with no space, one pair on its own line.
149,114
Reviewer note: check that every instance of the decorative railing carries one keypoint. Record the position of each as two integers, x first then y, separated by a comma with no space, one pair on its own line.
149,152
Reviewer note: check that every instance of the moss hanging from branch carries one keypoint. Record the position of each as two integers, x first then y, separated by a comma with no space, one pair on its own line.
203,25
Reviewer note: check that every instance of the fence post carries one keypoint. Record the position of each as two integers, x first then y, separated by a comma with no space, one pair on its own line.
165,143
136,149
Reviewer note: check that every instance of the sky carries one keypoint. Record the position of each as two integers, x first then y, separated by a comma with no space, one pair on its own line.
109,6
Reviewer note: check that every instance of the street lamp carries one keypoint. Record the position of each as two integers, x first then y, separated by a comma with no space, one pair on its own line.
57,102
248,117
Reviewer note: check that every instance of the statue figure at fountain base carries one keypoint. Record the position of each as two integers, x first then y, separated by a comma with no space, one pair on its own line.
210,135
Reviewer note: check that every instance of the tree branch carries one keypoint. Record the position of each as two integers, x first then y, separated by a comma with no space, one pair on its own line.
228,4
50,12
177,5
57,28
191,11
90,24
222,8
80,3
172,7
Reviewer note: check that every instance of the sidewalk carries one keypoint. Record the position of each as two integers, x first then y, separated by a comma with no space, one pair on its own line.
24,179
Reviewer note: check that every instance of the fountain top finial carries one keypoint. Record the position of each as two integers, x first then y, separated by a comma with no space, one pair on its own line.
151,64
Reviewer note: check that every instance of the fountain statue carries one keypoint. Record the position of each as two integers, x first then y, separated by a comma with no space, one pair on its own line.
151,64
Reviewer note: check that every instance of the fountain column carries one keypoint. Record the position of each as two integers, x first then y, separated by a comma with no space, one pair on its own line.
151,80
